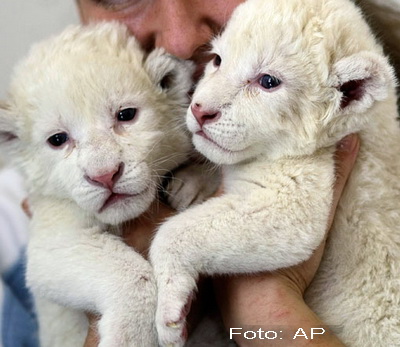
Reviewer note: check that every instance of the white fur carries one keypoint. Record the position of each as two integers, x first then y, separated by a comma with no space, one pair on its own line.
76,83
276,147
192,184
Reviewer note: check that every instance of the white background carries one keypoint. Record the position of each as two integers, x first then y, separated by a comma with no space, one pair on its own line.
23,22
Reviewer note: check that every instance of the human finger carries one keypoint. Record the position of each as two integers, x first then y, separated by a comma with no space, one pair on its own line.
345,158
138,232
92,338
26,207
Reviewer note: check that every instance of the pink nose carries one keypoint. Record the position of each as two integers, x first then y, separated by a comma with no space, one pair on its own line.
203,115
108,179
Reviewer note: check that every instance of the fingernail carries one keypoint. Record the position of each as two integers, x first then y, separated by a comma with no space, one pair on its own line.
173,325
348,143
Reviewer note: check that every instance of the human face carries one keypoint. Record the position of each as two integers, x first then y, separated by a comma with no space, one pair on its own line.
182,27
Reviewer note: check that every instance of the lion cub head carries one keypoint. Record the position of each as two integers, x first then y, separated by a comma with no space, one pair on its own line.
92,119
288,77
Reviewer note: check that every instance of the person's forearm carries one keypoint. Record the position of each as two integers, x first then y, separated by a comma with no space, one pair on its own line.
277,317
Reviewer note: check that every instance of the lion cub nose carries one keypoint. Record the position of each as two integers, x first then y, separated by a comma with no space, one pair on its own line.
108,179
203,115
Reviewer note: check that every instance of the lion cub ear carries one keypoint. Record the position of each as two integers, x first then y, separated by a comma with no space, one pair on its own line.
8,130
362,79
171,74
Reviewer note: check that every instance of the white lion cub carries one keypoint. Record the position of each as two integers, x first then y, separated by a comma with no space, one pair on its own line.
94,124
290,78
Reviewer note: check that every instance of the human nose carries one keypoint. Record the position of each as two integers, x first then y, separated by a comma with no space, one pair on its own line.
181,29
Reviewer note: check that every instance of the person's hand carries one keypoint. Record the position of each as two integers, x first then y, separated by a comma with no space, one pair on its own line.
26,208
276,299
92,338
138,232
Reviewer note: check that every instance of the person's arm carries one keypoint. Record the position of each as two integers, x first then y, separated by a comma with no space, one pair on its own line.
274,301
275,305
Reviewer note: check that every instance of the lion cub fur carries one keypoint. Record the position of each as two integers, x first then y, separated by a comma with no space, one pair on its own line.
116,119
291,78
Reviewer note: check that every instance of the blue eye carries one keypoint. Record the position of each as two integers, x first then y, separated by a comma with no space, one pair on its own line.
58,140
269,82
126,114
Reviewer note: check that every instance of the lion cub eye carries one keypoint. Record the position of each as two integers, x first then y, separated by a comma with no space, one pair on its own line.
58,140
217,60
126,114
269,82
